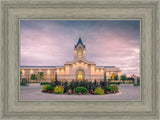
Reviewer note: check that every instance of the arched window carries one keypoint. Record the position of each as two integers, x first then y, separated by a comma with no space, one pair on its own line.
80,53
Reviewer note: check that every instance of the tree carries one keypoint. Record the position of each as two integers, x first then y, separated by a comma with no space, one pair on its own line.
66,87
90,86
116,77
56,76
20,74
105,77
123,77
40,75
71,85
95,85
103,84
33,77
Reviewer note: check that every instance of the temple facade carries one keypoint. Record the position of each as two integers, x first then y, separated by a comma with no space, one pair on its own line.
78,69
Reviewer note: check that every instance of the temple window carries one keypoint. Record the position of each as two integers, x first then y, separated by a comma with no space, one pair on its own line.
79,53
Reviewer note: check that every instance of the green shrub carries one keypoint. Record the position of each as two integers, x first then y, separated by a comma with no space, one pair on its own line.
59,89
50,88
45,83
136,84
108,88
45,87
110,80
99,91
33,77
81,90
23,84
115,88
114,83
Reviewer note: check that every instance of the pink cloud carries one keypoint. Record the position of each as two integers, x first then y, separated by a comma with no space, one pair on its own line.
52,44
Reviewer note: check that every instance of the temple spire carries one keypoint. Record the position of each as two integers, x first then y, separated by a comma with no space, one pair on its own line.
80,42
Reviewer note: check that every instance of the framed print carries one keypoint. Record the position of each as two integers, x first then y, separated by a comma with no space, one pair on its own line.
45,68
80,59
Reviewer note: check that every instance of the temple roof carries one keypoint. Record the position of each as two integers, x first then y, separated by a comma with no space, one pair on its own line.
80,42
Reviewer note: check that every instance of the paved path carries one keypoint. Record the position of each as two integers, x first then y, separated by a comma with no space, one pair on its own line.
34,93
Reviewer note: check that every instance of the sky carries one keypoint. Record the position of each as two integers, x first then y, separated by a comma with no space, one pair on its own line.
108,42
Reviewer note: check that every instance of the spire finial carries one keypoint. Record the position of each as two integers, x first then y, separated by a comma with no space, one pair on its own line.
79,35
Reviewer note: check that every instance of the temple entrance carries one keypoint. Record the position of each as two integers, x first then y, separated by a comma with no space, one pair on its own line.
27,77
80,75
112,76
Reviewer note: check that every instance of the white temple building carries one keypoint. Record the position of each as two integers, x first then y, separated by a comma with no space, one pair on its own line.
78,69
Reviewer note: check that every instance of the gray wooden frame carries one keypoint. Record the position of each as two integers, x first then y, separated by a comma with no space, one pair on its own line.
13,11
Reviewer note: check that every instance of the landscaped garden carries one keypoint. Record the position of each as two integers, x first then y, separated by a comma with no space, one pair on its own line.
80,88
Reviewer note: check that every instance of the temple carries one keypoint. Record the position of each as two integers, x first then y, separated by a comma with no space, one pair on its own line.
78,69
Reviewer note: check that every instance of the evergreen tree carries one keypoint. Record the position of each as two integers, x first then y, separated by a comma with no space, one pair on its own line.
123,77
40,75
116,77
105,77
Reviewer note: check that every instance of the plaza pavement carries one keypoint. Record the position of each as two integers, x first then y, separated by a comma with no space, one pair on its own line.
34,93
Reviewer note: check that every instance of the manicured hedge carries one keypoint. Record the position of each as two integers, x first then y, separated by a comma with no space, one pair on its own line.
115,83
45,83
82,90
50,88
108,88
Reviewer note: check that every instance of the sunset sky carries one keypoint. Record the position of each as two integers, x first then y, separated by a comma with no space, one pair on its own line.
108,42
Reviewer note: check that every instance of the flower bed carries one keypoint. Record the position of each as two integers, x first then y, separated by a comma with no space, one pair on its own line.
80,88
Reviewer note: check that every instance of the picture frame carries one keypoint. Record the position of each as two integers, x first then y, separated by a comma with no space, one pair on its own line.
13,11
